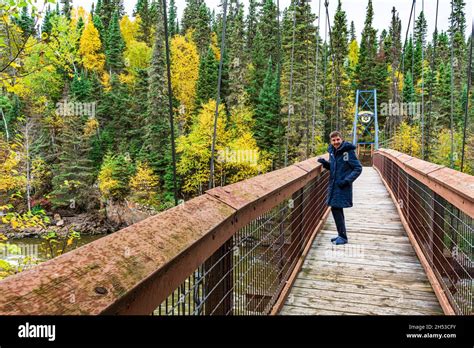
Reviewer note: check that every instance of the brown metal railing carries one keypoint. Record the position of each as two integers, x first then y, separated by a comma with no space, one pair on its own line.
436,205
233,250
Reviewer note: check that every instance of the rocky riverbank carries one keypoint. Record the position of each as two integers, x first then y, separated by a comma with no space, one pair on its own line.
111,219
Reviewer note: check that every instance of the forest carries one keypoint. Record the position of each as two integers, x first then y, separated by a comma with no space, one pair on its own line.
85,120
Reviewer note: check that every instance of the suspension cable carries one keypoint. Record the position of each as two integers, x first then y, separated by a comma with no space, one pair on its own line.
315,79
469,81
433,55
291,84
451,120
405,46
326,3
218,96
170,102
325,67
306,107
422,86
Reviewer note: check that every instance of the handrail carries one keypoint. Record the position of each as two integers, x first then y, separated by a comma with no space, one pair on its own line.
134,270
436,206
454,186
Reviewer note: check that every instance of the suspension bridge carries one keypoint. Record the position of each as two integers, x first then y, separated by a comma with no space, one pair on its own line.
261,246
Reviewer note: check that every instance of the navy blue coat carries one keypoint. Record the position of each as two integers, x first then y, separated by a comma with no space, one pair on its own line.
344,169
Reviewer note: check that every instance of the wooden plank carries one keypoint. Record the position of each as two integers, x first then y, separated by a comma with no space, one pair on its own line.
401,302
358,260
363,271
363,280
367,288
376,273
297,310
361,308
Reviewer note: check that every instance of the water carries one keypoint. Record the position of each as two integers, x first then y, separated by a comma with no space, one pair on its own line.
15,250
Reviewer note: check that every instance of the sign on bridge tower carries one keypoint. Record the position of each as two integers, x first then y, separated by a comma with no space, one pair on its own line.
365,130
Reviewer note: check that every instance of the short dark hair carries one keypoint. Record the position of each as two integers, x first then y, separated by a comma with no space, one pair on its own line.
335,134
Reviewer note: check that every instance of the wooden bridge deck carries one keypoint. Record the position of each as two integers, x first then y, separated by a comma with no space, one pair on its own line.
377,272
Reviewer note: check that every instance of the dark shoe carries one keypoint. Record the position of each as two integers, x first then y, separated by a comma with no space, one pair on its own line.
333,239
340,240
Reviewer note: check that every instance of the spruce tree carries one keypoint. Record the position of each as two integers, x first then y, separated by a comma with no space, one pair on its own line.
352,32
67,7
207,80
172,19
303,75
237,57
251,25
26,23
267,112
265,46
115,46
420,45
190,15
143,9
365,73
47,26
157,143
100,28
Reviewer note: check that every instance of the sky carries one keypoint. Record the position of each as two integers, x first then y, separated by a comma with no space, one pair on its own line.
355,11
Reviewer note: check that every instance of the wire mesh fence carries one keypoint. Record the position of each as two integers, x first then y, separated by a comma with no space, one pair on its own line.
246,275
444,233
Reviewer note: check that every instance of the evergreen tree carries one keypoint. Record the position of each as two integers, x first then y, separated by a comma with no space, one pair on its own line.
408,89
267,112
157,146
365,73
190,15
456,31
26,23
172,19
47,26
81,87
352,32
339,50
202,30
237,57
303,74
394,52
143,9
408,58
420,45
265,46
73,174
251,23
107,11
115,46
67,7
100,28
207,81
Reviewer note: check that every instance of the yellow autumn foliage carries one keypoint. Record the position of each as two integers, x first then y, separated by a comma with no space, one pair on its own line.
90,49
144,185
184,74
11,177
407,139
91,126
237,156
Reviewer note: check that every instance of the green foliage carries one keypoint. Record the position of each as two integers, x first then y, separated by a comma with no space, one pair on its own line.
115,46
206,87
114,177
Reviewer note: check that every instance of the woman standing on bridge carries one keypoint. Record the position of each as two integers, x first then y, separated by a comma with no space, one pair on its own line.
344,169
